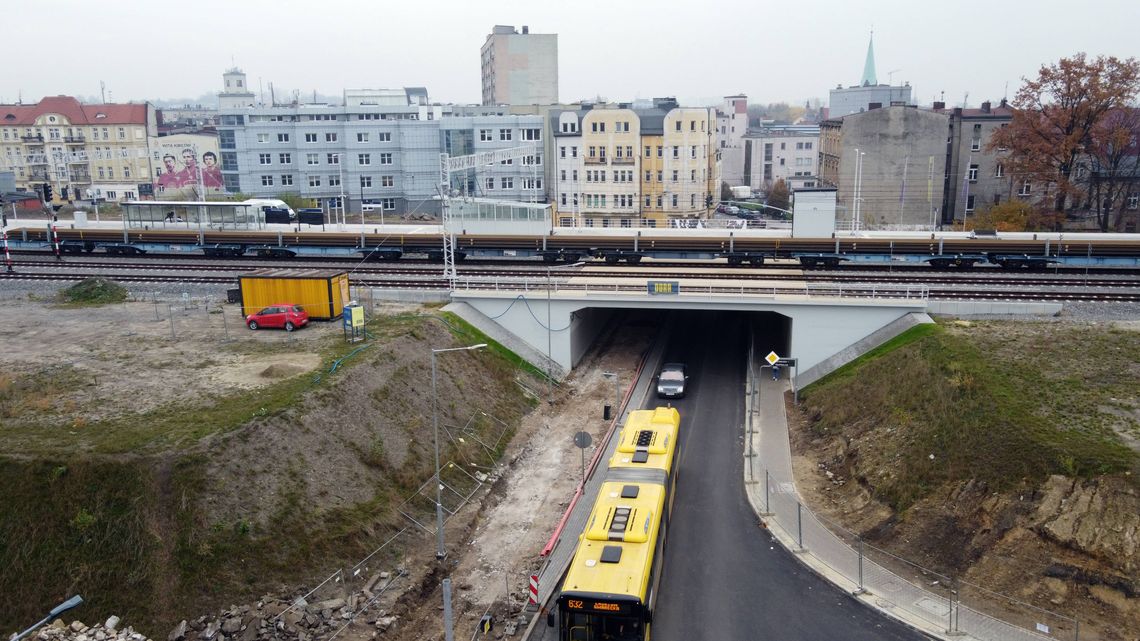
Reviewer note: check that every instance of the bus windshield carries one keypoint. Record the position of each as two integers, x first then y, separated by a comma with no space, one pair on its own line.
587,627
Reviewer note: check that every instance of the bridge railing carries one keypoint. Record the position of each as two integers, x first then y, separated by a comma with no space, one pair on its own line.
625,287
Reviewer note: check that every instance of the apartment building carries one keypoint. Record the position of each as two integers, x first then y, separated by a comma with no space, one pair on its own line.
519,68
781,152
81,151
367,156
621,166
977,178
731,127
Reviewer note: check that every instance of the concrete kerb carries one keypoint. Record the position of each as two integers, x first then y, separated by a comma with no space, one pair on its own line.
756,499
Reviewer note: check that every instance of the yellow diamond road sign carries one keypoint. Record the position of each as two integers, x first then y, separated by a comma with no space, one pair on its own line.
772,357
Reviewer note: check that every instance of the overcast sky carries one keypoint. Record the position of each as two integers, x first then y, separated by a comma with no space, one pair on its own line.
697,50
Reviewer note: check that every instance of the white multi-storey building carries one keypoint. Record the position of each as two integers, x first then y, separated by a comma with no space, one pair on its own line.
519,68
789,153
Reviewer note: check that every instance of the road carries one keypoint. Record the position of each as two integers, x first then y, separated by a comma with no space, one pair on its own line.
724,577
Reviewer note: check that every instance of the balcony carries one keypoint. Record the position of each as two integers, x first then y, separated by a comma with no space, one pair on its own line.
596,160
75,140
38,175
35,138
623,161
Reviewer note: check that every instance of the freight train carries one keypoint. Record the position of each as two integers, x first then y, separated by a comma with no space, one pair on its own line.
613,245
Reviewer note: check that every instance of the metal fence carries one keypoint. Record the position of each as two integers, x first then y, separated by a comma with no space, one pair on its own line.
944,603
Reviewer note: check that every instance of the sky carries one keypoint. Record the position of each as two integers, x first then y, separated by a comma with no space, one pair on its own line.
696,50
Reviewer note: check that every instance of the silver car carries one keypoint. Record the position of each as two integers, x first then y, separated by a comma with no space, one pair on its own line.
671,381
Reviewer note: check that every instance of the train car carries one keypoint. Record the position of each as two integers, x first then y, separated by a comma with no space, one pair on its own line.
611,586
736,247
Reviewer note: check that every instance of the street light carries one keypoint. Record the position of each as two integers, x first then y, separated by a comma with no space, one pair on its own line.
55,612
549,337
439,551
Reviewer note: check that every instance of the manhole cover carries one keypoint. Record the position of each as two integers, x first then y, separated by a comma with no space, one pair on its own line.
932,606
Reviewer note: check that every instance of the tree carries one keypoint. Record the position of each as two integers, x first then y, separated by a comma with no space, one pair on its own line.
1055,117
1012,215
778,195
725,191
1114,155
295,200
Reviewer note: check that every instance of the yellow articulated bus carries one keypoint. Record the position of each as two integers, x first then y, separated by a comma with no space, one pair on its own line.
610,588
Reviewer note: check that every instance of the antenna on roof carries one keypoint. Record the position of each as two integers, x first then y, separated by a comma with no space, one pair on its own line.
103,91
1005,92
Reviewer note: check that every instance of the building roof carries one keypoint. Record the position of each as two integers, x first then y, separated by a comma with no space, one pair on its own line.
869,78
652,121
78,114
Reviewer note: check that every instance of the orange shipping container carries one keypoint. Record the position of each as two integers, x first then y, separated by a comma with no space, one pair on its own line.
323,293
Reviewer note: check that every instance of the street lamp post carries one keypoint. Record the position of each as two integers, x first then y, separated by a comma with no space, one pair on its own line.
55,612
439,551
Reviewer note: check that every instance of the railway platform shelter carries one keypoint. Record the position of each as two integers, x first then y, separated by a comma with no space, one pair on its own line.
168,214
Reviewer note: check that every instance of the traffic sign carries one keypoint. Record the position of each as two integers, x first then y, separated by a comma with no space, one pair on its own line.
772,358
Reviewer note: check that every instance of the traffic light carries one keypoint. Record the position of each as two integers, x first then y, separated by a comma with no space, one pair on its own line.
47,192
708,200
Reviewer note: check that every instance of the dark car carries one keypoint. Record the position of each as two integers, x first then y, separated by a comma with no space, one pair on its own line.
671,381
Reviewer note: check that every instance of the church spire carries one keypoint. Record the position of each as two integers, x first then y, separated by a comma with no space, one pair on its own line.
869,66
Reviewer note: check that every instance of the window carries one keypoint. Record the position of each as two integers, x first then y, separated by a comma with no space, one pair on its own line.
693,151
330,137
969,203
287,180
660,176
999,170
285,159
314,181
262,137
312,159
676,151
676,175
126,172
508,161
678,124
384,136
364,159
692,125
647,200
388,203
573,152
387,181
574,174
660,151
110,172
310,137
264,159
659,202
365,181
648,151
799,145
1025,189
1133,201
504,134
334,159
563,199
692,174
674,200
490,183
692,200
807,145
976,143
617,151
282,137
532,134
112,195
592,151
972,174
267,181
532,183
648,175
362,137
386,158
485,135
334,181
562,152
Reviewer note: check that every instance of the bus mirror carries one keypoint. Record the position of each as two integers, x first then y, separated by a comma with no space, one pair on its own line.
550,618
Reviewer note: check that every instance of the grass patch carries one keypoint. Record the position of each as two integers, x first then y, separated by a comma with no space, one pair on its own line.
469,334
93,292
947,404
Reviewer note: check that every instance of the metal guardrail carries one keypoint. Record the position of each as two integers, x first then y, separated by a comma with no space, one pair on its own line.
809,290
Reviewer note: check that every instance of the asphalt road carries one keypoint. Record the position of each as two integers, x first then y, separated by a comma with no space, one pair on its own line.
724,577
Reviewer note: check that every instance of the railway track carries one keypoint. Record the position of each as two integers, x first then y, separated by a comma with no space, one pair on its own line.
998,279
1071,292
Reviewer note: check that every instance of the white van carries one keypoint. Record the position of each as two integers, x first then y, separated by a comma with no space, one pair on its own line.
262,203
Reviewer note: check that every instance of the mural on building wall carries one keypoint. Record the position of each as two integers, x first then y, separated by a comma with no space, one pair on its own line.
186,170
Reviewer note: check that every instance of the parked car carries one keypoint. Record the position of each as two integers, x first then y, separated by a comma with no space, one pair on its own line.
286,315
671,381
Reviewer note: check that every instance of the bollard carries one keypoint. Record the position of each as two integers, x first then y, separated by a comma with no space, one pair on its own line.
860,590
170,310
156,318
767,492
800,524
449,633
225,325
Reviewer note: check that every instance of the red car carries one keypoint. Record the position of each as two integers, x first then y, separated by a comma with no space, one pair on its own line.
285,315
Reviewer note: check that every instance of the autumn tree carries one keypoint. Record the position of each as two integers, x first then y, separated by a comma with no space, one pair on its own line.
778,195
1114,172
1055,120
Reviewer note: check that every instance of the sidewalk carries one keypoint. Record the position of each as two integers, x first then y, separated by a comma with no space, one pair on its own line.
771,490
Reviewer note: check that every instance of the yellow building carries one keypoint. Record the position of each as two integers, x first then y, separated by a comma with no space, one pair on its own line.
80,151
626,167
